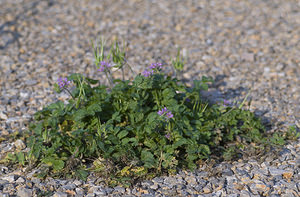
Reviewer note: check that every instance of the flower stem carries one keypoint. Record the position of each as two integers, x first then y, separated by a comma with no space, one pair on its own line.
69,92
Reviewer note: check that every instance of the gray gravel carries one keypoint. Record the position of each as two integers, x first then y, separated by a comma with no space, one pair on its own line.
244,45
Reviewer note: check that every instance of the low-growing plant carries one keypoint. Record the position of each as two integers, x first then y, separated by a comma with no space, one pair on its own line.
136,129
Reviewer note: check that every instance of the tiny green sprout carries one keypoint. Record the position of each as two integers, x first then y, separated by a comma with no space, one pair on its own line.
178,63
99,51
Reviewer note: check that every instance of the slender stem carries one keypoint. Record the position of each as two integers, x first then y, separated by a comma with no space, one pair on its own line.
107,73
69,92
123,74
160,161
169,127
156,97
129,66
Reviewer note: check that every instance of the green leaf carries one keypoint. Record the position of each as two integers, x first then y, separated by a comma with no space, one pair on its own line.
57,88
127,140
80,114
179,142
122,134
93,108
54,162
92,81
151,144
168,93
82,174
148,159
38,128
58,164
116,117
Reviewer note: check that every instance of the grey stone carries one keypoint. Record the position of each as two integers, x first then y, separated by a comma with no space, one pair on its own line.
155,186
9,188
147,195
100,193
202,174
23,192
9,178
60,194
69,186
61,182
20,180
79,191
158,180
24,95
119,189
36,180
3,116
198,188
109,190
93,189
77,182
183,193
275,171
147,184
258,187
191,180
288,195
227,172
19,144
233,195
245,193
241,172
3,194
30,82
12,119
248,57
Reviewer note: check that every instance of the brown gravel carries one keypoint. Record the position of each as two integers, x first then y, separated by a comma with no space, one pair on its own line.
244,45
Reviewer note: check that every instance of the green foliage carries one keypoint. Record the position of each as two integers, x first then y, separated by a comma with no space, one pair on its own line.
119,131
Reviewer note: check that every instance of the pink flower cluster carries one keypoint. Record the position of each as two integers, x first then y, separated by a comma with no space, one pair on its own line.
104,65
165,112
150,70
63,82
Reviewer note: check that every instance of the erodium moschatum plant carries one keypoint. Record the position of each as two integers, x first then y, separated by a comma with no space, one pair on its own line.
135,129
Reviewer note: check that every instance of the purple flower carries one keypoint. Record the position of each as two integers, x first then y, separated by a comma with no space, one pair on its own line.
101,68
169,115
150,70
166,113
188,100
161,112
63,82
168,135
147,73
104,65
226,103
155,66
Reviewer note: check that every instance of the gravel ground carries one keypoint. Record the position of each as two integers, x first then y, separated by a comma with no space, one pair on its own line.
244,45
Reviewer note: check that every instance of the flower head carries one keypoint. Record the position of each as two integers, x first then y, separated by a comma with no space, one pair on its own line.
104,65
168,135
147,73
101,68
63,82
155,66
226,103
162,111
169,115
166,113
150,70
188,100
